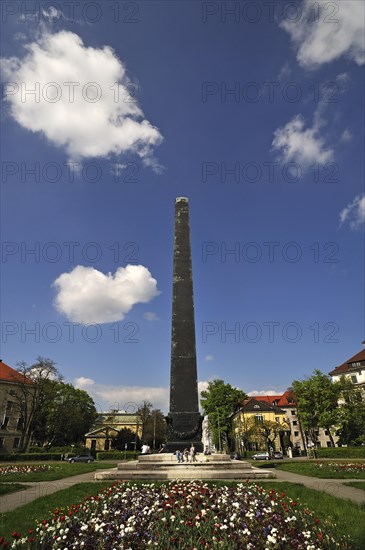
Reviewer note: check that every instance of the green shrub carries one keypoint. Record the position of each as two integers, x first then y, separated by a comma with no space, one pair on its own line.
116,455
341,452
29,456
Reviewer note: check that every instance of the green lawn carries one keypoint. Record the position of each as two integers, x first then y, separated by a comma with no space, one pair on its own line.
6,488
349,517
356,484
312,469
59,470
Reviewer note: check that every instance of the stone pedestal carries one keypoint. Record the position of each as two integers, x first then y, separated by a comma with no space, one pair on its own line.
165,467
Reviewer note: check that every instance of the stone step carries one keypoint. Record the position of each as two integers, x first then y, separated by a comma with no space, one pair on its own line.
234,465
186,473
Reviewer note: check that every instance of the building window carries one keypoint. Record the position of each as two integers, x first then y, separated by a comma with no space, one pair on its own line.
259,418
354,379
326,432
277,419
16,442
20,424
295,422
294,413
296,434
5,423
9,407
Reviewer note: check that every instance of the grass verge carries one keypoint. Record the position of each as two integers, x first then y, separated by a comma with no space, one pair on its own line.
356,484
59,470
324,472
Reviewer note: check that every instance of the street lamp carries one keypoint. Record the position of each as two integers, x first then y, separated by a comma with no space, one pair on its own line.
219,433
154,432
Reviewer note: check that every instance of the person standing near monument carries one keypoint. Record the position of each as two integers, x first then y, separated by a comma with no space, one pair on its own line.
192,453
145,449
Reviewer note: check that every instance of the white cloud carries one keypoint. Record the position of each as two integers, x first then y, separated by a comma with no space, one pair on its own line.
108,396
209,358
354,213
85,295
346,136
111,396
300,145
84,101
264,392
285,72
337,30
52,14
150,316
83,382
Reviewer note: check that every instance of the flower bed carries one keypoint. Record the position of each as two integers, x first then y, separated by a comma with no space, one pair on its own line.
346,467
183,515
24,470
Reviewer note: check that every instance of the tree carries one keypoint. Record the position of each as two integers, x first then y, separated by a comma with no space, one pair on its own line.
153,425
219,401
69,416
317,401
32,395
265,430
125,437
351,421
51,412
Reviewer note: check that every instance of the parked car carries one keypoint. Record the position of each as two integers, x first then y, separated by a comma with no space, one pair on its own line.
81,458
278,455
261,456
235,456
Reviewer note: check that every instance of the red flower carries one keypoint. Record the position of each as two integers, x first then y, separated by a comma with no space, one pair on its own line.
16,535
316,520
44,522
294,503
282,494
320,536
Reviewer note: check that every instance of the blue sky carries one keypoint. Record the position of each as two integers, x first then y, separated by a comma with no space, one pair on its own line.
256,116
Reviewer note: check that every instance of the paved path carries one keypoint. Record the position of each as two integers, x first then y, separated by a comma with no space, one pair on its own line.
40,489
334,487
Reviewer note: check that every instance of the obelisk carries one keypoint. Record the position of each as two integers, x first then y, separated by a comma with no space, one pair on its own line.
184,420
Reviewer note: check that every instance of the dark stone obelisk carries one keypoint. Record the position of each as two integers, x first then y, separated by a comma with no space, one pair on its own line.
184,420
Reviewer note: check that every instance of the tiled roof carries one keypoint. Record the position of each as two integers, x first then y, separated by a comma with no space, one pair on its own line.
252,404
345,367
284,400
11,375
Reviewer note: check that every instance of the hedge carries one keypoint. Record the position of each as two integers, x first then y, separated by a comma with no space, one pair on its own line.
341,452
29,456
117,455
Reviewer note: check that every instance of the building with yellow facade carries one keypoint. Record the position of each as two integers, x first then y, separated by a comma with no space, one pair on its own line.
107,427
258,425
